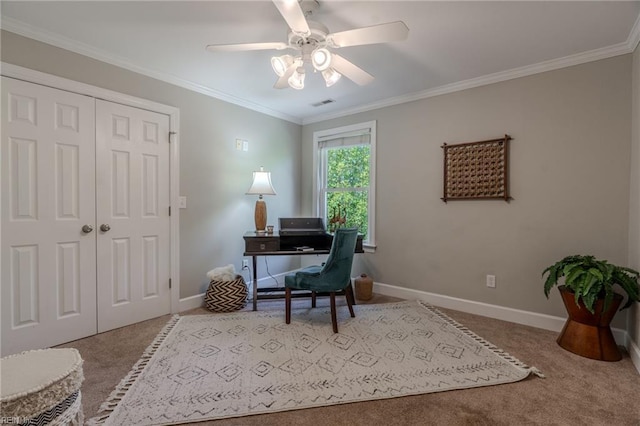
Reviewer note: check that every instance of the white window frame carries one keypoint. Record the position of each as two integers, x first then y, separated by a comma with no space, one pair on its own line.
341,132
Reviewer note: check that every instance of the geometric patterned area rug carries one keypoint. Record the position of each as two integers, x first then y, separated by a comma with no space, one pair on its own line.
206,367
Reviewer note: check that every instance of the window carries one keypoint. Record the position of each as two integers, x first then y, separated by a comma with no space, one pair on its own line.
344,170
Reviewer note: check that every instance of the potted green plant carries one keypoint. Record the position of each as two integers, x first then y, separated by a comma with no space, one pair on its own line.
591,302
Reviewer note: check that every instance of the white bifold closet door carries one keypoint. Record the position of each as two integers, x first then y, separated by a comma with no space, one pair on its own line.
70,164
48,196
132,188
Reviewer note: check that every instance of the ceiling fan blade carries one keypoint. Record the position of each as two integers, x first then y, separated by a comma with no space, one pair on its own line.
350,70
392,31
283,82
246,46
293,14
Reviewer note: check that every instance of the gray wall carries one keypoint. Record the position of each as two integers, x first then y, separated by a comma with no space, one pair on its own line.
569,178
634,212
570,168
213,175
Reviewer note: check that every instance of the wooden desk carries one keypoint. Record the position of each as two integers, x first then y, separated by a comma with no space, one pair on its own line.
269,245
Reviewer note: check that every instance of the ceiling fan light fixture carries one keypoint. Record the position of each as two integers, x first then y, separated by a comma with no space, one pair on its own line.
331,76
321,59
296,81
312,40
281,63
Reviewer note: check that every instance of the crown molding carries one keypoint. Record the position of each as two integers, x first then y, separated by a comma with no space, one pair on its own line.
551,65
634,36
629,46
75,46
78,47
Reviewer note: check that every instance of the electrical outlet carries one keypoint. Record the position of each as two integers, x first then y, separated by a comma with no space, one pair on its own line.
491,281
245,264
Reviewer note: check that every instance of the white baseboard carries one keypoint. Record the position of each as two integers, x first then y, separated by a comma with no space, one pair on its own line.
190,302
634,353
197,301
533,319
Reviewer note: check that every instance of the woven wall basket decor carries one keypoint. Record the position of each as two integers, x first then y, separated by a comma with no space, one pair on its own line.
226,296
477,170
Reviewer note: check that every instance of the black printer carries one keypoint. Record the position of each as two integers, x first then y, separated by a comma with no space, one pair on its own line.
303,233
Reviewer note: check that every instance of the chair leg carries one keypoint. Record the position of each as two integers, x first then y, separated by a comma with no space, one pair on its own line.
349,297
334,317
313,299
287,305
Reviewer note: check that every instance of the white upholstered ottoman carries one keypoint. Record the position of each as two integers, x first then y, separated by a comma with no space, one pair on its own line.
41,387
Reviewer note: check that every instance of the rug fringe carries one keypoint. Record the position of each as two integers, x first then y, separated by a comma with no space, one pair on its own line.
493,348
107,407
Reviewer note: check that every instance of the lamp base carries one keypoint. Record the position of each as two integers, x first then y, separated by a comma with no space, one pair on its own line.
260,216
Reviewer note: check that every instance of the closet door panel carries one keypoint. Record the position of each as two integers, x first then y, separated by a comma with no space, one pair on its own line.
48,196
133,204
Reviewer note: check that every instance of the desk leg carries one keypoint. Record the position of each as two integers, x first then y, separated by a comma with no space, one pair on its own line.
350,290
254,282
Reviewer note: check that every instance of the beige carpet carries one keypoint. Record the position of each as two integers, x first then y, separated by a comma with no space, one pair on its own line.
577,391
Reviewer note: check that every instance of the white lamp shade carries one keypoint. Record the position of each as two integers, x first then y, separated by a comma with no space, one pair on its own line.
321,59
296,81
281,63
261,184
331,76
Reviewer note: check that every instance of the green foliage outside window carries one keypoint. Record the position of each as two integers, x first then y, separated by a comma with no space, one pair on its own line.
348,186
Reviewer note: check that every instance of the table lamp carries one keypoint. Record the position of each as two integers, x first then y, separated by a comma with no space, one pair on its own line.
261,186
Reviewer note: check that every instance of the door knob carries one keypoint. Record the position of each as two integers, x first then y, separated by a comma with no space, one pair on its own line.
104,227
87,228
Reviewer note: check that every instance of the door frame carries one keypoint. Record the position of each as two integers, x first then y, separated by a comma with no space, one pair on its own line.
37,77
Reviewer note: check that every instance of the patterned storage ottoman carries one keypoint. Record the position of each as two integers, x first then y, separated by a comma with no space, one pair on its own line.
42,387
226,296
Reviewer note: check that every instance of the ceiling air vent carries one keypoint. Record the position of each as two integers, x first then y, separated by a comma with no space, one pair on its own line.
325,102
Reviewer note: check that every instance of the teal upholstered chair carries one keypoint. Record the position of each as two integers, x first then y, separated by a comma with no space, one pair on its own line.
333,276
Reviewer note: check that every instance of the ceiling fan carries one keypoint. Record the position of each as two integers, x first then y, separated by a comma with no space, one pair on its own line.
313,42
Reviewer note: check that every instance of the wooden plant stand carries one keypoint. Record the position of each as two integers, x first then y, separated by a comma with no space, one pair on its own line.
586,334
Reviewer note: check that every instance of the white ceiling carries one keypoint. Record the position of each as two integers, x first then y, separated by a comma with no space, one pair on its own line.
451,45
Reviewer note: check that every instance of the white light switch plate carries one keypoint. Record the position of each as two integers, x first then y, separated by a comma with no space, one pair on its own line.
242,145
183,202
491,281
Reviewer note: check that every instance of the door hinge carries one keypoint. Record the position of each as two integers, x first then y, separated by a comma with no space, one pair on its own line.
171,134
169,282
169,210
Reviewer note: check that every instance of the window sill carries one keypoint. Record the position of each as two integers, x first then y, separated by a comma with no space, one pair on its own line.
369,248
